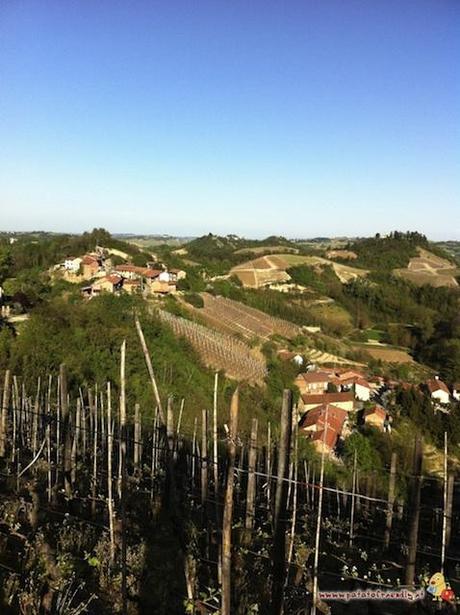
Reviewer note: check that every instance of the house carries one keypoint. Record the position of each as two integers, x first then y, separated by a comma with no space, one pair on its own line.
177,274
109,284
90,266
287,355
438,390
344,400
72,264
311,383
323,425
359,385
376,417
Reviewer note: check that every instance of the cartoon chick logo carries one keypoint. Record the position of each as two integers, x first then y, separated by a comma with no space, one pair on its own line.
439,589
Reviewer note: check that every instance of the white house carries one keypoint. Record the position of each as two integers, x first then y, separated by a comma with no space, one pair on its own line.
438,390
72,264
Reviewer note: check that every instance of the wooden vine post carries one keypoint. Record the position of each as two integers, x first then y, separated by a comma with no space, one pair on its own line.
204,459
319,519
251,487
109,473
4,414
148,362
66,435
391,501
228,508
123,475
279,519
415,511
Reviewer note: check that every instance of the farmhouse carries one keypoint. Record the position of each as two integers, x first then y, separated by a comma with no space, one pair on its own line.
345,401
311,383
375,416
438,390
90,266
108,284
359,385
323,425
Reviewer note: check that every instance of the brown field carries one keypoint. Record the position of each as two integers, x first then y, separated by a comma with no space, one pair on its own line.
267,270
427,268
348,254
236,318
387,354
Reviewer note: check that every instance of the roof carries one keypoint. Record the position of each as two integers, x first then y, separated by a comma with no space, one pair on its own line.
344,375
317,416
329,438
143,271
114,279
355,380
89,260
437,385
380,412
328,398
312,377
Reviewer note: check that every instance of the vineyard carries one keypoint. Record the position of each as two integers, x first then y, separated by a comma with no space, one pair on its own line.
236,318
107,508
219,351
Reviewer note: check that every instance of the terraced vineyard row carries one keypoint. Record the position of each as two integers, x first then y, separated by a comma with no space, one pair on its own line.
217,350
234,317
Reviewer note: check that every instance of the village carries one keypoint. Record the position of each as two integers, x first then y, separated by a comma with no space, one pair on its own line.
98,268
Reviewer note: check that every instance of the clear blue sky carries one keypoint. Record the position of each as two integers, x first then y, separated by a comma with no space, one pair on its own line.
301,118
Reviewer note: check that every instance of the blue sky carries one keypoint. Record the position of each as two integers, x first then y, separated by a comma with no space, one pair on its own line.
302,118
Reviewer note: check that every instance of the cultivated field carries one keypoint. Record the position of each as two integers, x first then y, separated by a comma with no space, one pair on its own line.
219,351
268,270
386,353
427,268
236,318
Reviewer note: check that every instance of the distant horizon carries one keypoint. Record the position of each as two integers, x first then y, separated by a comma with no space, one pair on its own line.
241,236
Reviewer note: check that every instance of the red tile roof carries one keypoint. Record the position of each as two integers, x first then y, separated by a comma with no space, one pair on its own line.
312,377
317,416
329,438
437,385
328,398
89,260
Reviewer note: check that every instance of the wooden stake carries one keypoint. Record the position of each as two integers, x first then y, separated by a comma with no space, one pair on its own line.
109,473
215,459
251,488
228,508
137,437
279,520
204,458
415,511
319,519
148,362
353,498
391,501
444,511
123,475
4,415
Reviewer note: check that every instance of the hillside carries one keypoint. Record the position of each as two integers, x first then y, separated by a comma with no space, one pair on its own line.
271,269
428,268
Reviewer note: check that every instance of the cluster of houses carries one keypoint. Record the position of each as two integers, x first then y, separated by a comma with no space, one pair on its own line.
330,396
105,277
